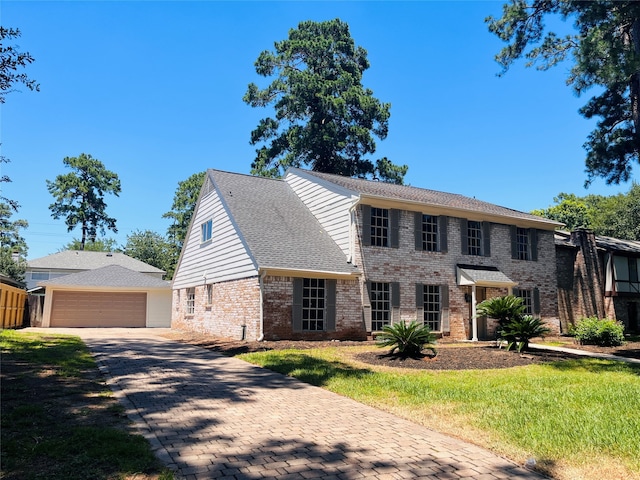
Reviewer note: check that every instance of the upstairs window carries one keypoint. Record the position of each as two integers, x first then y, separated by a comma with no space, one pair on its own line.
430,233
379,227
474,237
524,243
206,231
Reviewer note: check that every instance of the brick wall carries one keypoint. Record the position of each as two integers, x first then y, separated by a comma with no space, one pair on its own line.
278,312
408,267
235,308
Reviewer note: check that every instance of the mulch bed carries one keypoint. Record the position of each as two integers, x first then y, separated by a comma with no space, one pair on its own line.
465,358
451,356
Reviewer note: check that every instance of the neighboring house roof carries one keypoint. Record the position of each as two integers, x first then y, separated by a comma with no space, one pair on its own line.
279,230
563,238
111,276
424,196
84,260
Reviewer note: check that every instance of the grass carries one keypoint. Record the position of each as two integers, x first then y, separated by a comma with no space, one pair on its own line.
60,420
578,419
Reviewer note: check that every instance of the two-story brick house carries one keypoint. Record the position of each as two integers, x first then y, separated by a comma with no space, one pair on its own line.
321,256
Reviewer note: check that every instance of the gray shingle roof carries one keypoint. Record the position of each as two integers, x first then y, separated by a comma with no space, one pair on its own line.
278,228
114,276
563,238
422,195
84,260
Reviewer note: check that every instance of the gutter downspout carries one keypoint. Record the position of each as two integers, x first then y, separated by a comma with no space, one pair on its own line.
351,231
261,281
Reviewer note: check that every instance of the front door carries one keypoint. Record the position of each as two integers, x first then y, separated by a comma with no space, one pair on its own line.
481,296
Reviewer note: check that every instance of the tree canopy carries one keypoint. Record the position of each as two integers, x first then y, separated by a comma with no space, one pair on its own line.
152,248
79,196
12,60
95,245
613,216
184,202
13,247
324,117
605,50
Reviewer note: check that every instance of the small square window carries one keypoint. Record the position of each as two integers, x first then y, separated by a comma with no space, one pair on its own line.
206,231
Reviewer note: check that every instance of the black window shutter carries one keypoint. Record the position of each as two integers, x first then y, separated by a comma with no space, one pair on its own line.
464,236
515,292
444,296
514,241
366,225
533,236
331,305
394,217
419,295
297,304
417,229
486,238
536,301
443,222
395,294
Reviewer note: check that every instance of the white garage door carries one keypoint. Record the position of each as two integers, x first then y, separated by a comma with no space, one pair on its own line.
98,309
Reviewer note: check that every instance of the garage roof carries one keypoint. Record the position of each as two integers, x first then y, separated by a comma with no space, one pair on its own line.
113,276
84,260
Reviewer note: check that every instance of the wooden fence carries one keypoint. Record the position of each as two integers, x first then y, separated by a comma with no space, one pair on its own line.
12,306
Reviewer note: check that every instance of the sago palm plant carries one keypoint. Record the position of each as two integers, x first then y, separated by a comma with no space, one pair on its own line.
504,309
407,340
520,330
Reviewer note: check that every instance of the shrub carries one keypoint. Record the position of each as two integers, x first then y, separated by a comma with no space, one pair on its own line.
407,339
504,309
593,331
521,329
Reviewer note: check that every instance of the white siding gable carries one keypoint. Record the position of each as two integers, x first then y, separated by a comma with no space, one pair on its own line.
327,202
224,257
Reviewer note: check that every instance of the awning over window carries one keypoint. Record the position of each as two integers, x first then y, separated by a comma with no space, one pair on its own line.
482,276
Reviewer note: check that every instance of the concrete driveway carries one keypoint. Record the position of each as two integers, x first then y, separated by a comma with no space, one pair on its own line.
212,417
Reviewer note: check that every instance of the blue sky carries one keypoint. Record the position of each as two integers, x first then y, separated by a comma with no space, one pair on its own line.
154,90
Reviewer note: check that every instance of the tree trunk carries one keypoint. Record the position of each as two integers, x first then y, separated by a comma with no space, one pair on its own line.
634,84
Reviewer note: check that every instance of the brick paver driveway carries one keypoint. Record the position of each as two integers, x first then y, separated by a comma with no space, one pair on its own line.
209,416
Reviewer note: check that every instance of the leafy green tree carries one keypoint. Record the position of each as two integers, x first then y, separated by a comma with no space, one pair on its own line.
324,117
184,203
605,49
152,248
79,196
13,247
614,216
97,245
11,61
570,209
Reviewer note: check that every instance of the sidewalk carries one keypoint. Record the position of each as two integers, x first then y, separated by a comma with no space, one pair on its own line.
213,417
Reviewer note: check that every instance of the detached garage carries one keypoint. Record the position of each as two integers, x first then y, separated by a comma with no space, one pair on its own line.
111,296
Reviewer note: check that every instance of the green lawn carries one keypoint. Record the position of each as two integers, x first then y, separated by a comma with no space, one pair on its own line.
578,419
60,420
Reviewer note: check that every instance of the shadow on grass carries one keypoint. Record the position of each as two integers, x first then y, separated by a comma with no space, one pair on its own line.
310,369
